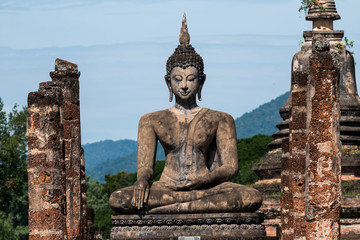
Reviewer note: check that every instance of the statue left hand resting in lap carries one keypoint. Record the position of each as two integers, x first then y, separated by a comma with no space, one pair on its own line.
200,151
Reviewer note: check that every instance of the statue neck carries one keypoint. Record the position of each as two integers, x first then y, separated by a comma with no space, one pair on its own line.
184,107
185,113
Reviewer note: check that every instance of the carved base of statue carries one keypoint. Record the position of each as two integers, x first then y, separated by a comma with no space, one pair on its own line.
173,226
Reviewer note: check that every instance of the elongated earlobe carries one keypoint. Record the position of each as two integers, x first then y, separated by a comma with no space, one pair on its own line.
169,87
200,87
199,94
170,95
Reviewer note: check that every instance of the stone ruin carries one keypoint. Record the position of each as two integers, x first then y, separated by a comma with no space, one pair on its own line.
310,164
270,169
322,112
56,167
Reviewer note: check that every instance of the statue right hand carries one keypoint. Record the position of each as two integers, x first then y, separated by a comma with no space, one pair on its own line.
141,193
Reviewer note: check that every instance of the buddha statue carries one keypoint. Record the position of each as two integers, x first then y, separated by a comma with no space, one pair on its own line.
200,150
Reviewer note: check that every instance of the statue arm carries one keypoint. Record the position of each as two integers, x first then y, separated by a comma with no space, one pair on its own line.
227,149
146,149
146,152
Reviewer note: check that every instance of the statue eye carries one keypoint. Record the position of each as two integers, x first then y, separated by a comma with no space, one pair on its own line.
191,78
177,78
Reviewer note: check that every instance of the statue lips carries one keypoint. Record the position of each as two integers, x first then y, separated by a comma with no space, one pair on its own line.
184,93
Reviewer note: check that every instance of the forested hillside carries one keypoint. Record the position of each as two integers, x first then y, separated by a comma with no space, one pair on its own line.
122,163
99,152
261,120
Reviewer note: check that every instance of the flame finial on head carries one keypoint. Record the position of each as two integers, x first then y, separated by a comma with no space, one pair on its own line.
184,55
184,37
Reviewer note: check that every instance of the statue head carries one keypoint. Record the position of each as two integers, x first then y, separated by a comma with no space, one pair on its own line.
185,57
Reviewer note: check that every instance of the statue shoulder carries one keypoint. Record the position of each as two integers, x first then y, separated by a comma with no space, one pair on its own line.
155,116
220,116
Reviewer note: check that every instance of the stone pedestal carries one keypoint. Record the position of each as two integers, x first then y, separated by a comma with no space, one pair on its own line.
173,226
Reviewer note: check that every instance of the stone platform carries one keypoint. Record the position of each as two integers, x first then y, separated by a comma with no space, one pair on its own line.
173,226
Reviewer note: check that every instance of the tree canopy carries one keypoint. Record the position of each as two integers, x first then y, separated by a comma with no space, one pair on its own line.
13,174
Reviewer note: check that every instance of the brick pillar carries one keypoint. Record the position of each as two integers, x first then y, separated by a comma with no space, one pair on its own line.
287,215
311,174
57,190
46,168
293,167
67,75
324,166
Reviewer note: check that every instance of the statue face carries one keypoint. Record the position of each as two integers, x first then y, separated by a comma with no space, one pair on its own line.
185,83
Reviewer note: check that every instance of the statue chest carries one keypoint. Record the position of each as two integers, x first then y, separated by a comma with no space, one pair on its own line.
182,136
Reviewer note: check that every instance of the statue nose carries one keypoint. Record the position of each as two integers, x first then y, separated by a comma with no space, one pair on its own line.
184,86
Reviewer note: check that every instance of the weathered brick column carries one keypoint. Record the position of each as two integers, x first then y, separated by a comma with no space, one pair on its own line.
310,176
46,167
293,168
56,106
67,75
324,165
287,214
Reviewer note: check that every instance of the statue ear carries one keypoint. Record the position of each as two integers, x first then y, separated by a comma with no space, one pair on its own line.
169,87
201,85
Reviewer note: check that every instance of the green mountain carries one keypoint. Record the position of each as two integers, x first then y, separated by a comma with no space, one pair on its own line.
121,163
99,152
112,166
261,120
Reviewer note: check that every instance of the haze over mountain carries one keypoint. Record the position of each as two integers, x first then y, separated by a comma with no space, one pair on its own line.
110,157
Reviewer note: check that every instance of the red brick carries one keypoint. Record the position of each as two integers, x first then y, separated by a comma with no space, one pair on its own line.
298,121
47,219
297,141
53,237
33,142
54,196
71,129
300,78
71,111
37,160
298,99
296,163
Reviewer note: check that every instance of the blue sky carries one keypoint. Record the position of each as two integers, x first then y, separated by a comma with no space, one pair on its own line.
121,48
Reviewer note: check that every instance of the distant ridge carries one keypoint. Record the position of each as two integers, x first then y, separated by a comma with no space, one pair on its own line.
99,152
261,120
123,157
112,166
